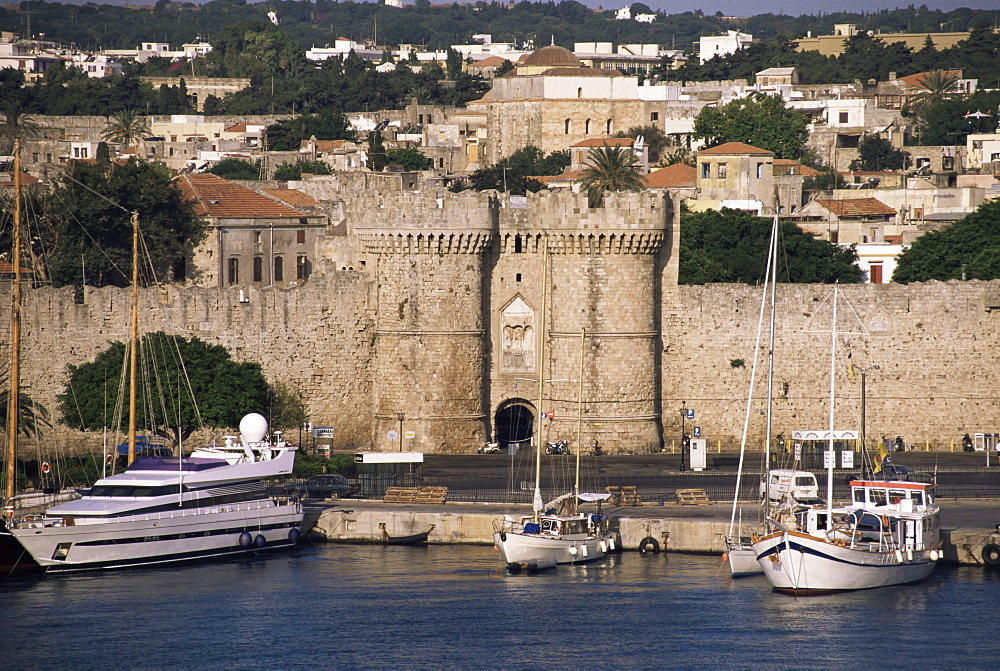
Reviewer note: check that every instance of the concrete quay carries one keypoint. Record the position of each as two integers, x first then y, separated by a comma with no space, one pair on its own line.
967,525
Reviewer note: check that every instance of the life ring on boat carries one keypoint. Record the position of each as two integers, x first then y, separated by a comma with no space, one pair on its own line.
991,555
649,544
46,467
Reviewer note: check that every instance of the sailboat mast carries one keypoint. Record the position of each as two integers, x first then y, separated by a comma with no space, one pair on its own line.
537,502
133,338
15,344
773,263
579,425
829,465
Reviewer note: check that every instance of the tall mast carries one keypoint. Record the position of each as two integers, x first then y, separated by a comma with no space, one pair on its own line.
15,344
579,425
773,262
833,364
133,338
537,500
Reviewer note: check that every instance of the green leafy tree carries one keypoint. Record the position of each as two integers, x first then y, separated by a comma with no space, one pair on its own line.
292,171
827,179
289,134
654,139
969,248
223,390
126,127
731,246
409,158
376,151
85,224
236,168
256,48
453,64
761,121
31,415
877,153
609,169
513,174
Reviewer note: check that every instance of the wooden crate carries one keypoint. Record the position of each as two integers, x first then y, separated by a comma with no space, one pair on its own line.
616,495
692,497
432,495
400,494
630,496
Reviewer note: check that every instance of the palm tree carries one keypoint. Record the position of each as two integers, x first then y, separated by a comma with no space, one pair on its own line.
126,127
32,416
609,169
933,87
15,123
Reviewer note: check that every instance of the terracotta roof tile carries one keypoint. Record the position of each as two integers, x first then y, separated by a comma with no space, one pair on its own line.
734,148
8,269
323,145
606,142
914,81
673,176
213,196
490,62
856,207
292,197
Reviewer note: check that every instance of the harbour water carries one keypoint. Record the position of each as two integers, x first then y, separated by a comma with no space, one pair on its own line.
353,606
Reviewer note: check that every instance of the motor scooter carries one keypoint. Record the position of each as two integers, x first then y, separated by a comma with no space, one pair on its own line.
489,448
560,447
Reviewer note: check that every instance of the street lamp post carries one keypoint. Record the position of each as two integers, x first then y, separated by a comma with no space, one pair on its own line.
683,433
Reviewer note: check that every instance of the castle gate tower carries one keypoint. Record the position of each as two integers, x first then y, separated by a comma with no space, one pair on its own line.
601,324
427,249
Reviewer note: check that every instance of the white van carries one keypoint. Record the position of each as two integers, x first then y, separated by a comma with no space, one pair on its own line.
801,485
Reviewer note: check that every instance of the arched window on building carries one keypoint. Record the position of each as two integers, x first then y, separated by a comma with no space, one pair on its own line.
566,128
586,127
579,92
610,127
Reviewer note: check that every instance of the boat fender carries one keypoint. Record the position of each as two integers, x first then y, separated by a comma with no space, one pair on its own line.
649,544
991,555
260,541
294,535
246,540
514,568
611,544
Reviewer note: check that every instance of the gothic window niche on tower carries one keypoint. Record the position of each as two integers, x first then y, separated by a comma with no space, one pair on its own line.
517,348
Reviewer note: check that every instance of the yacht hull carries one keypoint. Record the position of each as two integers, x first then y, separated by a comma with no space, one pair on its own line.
517,547
109,543
799,563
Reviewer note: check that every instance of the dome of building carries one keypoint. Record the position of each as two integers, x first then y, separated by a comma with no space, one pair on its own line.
552,57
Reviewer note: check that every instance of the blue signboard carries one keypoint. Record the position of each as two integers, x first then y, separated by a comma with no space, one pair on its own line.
697,432
689,413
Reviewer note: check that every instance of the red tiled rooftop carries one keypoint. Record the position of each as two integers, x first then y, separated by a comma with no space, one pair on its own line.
855,207
322,145
292,197
491,62
606,142
914,81
677,175
8,269
213,196
735,148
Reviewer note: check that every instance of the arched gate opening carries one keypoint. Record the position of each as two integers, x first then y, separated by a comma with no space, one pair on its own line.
514,423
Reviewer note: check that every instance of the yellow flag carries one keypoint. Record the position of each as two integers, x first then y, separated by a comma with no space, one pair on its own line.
850,370
880,457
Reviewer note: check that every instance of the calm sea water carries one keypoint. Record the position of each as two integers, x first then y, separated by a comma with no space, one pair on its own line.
349,606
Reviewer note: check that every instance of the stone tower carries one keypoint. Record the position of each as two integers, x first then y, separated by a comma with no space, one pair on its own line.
605,268
429,378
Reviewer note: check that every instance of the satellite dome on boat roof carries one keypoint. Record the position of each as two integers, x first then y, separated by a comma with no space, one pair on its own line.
253,427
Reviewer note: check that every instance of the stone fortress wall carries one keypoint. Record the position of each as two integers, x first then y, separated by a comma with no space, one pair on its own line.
441,324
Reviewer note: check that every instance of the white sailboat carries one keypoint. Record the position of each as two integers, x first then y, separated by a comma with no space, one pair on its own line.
888,534
543,539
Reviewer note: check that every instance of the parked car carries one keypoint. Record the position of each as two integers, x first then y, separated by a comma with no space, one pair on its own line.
330,486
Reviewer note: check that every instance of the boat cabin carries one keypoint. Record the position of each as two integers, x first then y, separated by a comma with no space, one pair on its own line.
558,525
903,497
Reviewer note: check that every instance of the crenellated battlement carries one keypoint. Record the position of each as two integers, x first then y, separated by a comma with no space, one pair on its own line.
384,242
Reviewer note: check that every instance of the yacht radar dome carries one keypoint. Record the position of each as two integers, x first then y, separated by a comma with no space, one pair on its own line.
253,428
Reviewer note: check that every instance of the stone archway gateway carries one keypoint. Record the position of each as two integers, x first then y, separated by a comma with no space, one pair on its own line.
514,422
